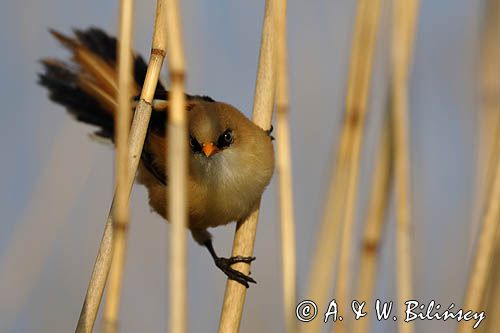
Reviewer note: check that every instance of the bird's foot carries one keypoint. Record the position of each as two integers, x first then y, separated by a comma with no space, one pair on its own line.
224,264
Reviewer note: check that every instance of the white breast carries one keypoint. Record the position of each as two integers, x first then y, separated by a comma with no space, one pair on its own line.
232,189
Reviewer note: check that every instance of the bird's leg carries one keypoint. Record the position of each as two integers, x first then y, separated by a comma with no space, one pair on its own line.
224,264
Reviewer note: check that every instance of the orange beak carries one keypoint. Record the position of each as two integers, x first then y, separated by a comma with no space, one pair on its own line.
209,149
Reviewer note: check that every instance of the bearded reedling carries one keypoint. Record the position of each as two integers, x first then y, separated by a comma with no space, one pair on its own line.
230,159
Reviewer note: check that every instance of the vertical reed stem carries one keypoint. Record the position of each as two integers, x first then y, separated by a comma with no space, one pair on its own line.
356,105
121,209
403,35
485,264
374,224
482,263
136,141
489,143
489,117
177,171
341,198
285,172
244,238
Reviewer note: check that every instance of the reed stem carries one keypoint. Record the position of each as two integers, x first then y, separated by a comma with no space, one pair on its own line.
374,223
367,19
403,36
137,135
285,172
342,193
482,262
177,171
121,209
244,238
490,138
488,297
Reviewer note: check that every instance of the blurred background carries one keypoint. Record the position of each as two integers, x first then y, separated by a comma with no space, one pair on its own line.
57,184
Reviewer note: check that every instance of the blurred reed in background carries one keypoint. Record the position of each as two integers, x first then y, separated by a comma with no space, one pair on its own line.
337,249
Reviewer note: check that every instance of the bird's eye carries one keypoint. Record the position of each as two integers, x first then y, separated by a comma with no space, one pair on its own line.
228,137
225,139
195,145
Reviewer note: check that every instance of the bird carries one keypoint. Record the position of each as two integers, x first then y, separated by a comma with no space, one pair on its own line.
230,159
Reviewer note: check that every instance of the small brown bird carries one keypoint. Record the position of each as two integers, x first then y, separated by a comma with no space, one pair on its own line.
231,160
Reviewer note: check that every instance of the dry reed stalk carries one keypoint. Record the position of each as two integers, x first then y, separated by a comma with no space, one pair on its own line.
492,307
348,162
325,253
177,171
490,142
357,96
482,263
285,172
120,209
374,225
244,238
341,197
137,135
403,36
489,145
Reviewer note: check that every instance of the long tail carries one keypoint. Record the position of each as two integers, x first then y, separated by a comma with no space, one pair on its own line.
87,86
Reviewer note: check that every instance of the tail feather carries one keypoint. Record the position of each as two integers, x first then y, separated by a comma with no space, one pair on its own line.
88,86
92,65
99,42
105,46
63,87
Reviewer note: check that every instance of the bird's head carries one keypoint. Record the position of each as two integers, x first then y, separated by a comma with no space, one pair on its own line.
224,143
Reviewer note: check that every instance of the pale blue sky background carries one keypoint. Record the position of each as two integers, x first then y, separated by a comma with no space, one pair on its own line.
57,184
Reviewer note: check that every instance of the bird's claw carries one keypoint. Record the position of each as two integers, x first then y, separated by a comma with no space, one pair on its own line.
224,264
269,131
